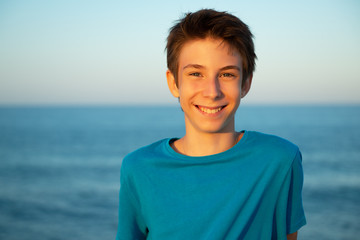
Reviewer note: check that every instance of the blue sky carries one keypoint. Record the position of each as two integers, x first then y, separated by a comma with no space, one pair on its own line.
112,52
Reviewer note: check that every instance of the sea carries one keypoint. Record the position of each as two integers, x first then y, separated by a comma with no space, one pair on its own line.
60,165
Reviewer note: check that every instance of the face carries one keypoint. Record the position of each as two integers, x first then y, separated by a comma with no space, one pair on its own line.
209,85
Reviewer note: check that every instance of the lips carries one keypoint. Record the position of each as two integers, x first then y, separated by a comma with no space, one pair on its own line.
210,110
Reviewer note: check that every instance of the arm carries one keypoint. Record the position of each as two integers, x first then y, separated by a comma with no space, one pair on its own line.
131,224
292,236
295,211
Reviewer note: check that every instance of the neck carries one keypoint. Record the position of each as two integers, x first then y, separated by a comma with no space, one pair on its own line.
206,144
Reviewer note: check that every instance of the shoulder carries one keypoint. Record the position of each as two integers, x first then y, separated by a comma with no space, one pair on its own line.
276,154
273,141
139,157
272,145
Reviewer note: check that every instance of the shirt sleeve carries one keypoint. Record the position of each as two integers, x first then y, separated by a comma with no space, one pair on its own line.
130,223
295,212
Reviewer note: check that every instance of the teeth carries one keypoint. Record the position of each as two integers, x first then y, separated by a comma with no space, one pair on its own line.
207,110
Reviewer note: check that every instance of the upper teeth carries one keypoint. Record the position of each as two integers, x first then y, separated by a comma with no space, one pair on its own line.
207,110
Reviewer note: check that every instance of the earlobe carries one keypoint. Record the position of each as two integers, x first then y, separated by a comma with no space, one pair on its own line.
246,86
172,84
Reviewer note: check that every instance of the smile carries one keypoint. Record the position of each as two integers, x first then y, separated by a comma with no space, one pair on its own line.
210,110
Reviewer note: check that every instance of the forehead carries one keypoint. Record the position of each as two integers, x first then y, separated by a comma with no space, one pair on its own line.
209,50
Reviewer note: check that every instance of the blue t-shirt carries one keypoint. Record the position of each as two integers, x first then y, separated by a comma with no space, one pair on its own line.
251,191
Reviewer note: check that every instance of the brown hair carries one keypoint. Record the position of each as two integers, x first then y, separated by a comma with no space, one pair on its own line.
210,23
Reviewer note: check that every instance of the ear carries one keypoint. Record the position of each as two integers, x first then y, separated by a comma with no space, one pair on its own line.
172,84
246,86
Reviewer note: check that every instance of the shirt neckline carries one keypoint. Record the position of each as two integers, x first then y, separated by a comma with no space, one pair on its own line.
207,158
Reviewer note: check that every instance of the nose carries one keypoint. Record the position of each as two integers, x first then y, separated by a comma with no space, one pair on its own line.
212,88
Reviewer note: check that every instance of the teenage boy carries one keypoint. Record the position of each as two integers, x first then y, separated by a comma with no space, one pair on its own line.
213,183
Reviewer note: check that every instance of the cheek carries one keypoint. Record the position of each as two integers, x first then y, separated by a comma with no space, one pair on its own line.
232,91
188,88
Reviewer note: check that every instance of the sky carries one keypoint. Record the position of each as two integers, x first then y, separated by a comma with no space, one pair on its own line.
85,52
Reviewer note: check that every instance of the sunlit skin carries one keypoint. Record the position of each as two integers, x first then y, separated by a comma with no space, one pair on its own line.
209,88
292,236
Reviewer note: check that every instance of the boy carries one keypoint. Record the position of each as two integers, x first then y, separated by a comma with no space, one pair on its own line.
213,183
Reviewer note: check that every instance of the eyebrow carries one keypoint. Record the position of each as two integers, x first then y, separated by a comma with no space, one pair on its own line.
193,66
198,66
231,67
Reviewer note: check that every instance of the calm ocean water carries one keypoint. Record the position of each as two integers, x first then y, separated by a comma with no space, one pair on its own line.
59,166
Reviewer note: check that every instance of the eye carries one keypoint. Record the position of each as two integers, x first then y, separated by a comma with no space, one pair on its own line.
195,74
227,75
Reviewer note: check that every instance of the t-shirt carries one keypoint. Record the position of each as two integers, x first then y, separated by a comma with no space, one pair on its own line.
251,191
